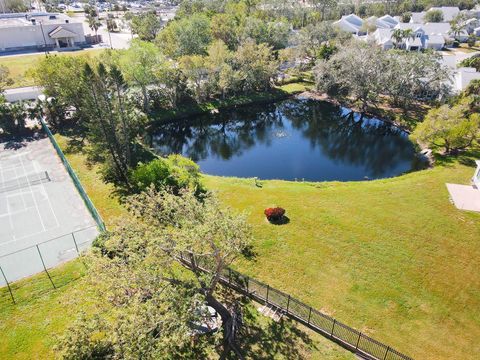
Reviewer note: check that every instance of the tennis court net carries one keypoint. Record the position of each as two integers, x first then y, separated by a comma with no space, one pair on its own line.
25,181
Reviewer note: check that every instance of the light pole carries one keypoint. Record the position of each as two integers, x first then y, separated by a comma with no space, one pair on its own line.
44,40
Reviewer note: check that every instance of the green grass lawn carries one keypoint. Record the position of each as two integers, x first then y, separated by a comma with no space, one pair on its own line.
393,258
19,66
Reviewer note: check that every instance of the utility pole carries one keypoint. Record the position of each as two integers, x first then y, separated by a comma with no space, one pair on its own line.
44,40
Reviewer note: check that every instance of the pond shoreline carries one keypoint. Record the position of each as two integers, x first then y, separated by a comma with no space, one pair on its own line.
290,135
275,96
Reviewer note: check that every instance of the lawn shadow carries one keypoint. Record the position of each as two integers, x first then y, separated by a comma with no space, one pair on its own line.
466,158
264,338
282,221
249,253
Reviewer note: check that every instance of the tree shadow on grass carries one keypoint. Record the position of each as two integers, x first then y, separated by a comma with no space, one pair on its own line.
466,158
264,338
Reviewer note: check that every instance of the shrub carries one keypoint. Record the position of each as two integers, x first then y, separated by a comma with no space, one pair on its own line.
174,172
274,214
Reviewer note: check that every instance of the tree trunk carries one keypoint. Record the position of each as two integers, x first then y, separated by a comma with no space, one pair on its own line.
228,324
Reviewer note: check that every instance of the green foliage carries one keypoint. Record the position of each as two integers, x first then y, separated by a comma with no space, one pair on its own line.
138,64
85,338
406,17
174,172
449,127
472,40
93,22
364,72
5,79
13,117
433,16
187,36
113,121
55,74
326,51
15,6
312,38
473,88
473,61
145,25
155,297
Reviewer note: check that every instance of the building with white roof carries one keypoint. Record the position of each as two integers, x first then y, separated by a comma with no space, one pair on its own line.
449,13
350,23
38,31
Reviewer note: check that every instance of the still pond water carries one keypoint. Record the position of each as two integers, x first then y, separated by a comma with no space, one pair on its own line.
291,139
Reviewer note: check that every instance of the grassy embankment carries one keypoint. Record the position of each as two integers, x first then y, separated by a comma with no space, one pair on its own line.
20,65
392,257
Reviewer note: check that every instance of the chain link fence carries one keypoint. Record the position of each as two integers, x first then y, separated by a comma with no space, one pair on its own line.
91,208
44,256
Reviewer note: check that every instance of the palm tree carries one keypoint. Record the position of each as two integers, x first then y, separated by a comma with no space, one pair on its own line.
397,36
456,30
93,23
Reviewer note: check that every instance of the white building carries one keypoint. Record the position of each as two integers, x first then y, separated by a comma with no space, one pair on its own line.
37,31
350,23
462,76
425,36
449,13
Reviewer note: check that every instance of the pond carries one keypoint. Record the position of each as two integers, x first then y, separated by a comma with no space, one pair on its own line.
292,139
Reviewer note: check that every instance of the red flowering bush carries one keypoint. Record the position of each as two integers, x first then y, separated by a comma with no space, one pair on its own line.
274,214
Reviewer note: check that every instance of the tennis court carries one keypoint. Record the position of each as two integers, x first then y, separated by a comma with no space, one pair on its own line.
43,219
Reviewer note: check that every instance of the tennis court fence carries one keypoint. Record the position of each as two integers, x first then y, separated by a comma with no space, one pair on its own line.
327,326
43,256
91,208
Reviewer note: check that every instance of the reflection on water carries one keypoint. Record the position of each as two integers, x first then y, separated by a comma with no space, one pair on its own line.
303,139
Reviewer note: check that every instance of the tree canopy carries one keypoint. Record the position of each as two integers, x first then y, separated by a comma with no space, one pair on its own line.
138,269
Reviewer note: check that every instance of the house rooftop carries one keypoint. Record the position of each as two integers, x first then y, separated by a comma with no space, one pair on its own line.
28,19
449,12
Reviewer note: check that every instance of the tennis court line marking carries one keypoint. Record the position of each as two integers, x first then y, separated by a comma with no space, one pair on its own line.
8,212
46,194
18,183
2,168
34,199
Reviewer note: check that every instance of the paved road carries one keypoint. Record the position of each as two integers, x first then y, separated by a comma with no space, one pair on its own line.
23,93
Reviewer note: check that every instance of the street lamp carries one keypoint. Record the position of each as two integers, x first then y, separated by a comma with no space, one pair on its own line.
44,40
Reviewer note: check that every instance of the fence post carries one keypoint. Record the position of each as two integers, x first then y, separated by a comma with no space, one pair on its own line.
309,315
268,290
229,275
44,267
8,285
386,352
75,242
358,340
288,303
333,327
247,278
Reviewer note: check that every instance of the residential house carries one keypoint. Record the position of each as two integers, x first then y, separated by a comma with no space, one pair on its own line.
38,31
384,22
462,76
424,36
383,37
351,23
449,13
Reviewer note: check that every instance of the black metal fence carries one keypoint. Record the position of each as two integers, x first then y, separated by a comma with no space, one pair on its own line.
346,336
